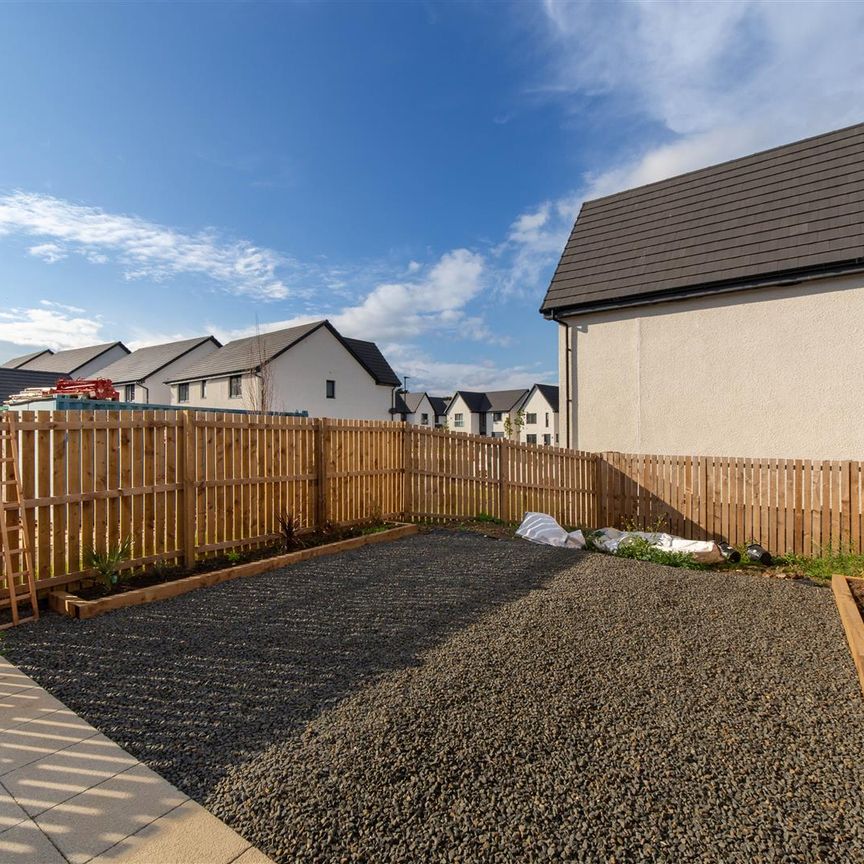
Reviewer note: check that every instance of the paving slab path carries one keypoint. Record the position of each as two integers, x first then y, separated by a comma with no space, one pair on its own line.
69,795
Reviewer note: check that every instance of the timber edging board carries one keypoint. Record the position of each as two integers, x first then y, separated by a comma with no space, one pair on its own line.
68,604
853,623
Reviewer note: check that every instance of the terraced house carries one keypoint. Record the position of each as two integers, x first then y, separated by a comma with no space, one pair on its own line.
720,311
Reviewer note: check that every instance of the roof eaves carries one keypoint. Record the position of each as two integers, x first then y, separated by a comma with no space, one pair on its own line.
782,277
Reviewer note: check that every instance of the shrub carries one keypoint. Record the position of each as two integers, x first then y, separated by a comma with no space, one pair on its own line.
233,556
289,527
107,564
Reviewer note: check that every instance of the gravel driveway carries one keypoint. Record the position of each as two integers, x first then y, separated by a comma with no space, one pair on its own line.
452,698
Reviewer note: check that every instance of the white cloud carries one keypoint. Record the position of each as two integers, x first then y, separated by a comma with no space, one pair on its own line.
144,249
49,252
442,378
52,326
713,80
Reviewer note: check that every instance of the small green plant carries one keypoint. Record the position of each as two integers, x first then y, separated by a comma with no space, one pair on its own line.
640,549
233,556
107,563
491,520
823,566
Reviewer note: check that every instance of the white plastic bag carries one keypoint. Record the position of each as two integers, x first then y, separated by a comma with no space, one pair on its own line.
703,551
542,528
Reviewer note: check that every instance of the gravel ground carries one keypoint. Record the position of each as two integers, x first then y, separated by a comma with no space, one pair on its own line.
453,698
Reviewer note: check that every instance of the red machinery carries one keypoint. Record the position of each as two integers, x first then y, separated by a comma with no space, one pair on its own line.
86,388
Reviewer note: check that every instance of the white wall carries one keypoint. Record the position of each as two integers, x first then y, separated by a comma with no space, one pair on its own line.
298,379
471,420
155,391
537,404
424,407
772,372
91,369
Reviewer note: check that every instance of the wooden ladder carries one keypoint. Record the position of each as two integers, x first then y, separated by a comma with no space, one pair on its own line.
14,536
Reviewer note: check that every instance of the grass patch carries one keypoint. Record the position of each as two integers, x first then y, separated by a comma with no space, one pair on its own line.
823,567
489,520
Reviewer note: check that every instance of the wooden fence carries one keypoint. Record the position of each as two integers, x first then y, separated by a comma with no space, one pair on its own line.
186,485
788,505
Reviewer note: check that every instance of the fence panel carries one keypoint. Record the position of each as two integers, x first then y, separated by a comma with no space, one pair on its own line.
788,505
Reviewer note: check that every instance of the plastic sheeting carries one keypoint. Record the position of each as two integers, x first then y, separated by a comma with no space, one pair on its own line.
541,528
703,551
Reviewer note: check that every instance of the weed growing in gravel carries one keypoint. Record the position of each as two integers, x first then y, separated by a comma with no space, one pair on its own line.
824,566
485,517
640,549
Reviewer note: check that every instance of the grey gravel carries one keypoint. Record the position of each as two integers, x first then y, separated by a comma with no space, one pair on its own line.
453,698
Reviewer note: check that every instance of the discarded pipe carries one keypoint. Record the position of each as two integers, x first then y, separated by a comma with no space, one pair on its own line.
730,553
755,552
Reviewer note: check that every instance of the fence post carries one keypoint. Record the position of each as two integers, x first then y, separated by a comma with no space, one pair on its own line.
600,503
504,479
321,454
407,473
190,503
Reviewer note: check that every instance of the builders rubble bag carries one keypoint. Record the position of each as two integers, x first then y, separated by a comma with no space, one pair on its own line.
542,528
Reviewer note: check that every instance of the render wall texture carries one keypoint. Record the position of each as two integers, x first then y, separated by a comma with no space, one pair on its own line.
537,404
772,373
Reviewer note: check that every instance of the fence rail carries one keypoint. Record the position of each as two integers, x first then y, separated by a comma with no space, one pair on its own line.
187,485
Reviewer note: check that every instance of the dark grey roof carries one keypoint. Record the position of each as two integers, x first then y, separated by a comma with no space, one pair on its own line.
790,213
147,361
550,393
243,355
69,362
400,406
18,362
372,359
15,380
439,404
491,400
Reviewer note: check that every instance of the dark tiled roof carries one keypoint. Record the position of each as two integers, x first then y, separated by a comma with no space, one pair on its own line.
550,393
242,355
439,404
18,362
15,380
372,359
400,406
145,362
69,362
492,400
796,211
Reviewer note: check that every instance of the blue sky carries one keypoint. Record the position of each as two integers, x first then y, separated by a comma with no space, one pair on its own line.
410,170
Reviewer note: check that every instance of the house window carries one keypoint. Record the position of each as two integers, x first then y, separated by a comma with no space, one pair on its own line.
130,393
203,389
547,440
530,439
331,388
531,418
496,417
424,419
235,388
182,392
497,434
547,419
458,420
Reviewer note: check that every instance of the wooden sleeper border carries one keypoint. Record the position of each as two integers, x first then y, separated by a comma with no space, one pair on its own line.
68,604
853,623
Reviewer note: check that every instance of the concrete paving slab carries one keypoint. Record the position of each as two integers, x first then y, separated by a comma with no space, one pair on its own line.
189,834
53,779
41,736
90,823
26,844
